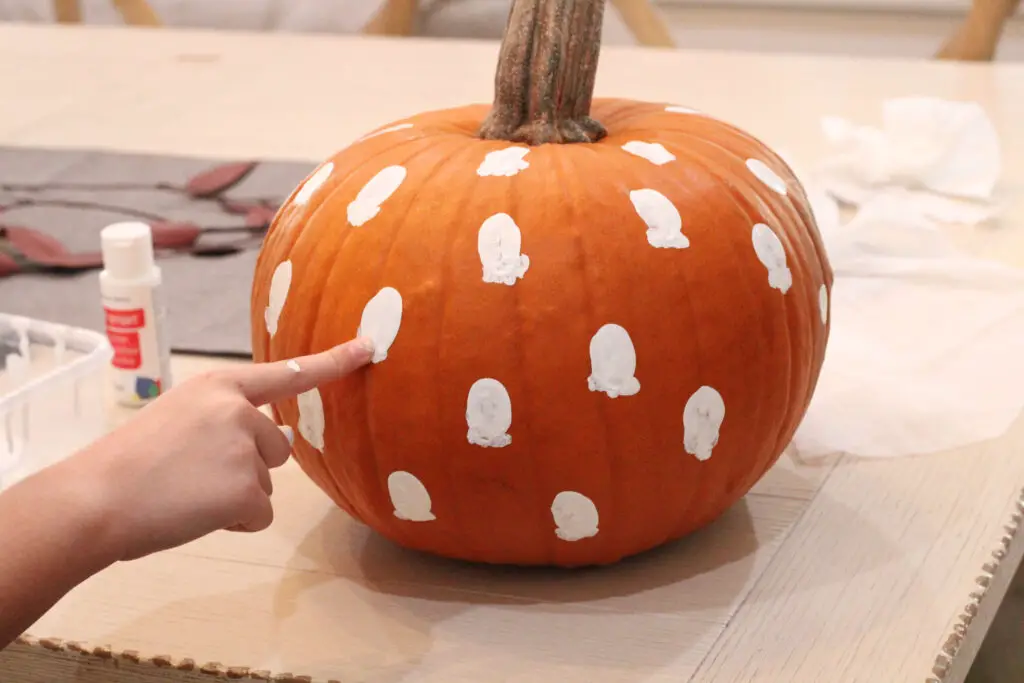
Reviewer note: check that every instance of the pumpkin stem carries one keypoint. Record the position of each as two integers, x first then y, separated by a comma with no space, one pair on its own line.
546,69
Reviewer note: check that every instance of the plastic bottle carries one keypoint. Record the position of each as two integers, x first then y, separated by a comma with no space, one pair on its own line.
135,314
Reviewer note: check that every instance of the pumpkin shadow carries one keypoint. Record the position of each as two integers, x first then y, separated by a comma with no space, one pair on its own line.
721,555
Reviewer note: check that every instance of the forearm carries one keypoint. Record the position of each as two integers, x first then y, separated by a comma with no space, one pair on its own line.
54,534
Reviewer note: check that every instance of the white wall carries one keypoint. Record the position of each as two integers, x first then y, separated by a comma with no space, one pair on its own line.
900,28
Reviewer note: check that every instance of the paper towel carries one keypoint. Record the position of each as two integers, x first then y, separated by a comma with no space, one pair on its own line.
942,158
926,348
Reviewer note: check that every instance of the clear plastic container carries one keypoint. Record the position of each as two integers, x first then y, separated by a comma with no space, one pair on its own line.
52,393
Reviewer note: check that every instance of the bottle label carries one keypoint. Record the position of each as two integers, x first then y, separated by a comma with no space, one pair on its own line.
134,325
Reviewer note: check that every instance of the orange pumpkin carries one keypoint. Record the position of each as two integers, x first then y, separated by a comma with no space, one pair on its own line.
598,323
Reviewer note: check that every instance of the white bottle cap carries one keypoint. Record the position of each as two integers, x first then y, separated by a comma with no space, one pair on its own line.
127,250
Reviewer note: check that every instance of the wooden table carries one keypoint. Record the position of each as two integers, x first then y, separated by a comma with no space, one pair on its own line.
842,570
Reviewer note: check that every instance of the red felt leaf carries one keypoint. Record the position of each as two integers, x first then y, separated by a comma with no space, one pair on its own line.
219,179
40,249
238,208
174,235
34,245
260,216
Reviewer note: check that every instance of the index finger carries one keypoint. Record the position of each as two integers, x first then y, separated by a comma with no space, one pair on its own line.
263,383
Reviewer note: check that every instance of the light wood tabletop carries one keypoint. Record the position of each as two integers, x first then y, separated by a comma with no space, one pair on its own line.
841,570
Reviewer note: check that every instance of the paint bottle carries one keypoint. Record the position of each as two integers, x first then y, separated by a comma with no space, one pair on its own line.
134,313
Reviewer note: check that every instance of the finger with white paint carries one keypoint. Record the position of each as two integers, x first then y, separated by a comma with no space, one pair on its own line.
264,383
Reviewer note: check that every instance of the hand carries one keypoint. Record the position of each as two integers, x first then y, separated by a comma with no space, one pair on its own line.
198,458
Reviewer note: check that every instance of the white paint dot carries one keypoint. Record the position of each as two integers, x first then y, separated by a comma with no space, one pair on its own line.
679,109
613,362
367,203
664,224
311,418
702,421
488,414
772,256
823,303
409,497
575,516
504,162
654,152
313,183
280,283
383,131
293,365
767,175
382,316
499,244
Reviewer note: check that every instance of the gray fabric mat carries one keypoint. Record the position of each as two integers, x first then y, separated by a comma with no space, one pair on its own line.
207,297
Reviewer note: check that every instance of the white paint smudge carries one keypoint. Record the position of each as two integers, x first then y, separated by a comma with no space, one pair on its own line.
488,414
390,129
767,175
367,203
772,256
311,418
575,516
823,303
382,316
293,365
499,244
702,422
679,109
313,183
664,224
280,283
613,362
504,162
654,152
289,434
409,497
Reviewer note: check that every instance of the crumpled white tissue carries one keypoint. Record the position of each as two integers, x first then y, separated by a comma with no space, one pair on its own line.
926,348
940,157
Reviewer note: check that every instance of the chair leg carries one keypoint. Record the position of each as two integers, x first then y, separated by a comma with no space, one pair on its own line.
977,37
137,12
67,11
395,18
644,22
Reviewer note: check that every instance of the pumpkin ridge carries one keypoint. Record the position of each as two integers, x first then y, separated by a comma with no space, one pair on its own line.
545,530
399,224
282,242
451,235
734,200
611,454
768,215
321,317
774,220
700,469
794,386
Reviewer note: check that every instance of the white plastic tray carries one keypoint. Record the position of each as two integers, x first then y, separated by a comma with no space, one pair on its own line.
52,393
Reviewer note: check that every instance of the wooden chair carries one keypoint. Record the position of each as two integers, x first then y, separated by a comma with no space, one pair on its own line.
398,18
977,37
134,12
